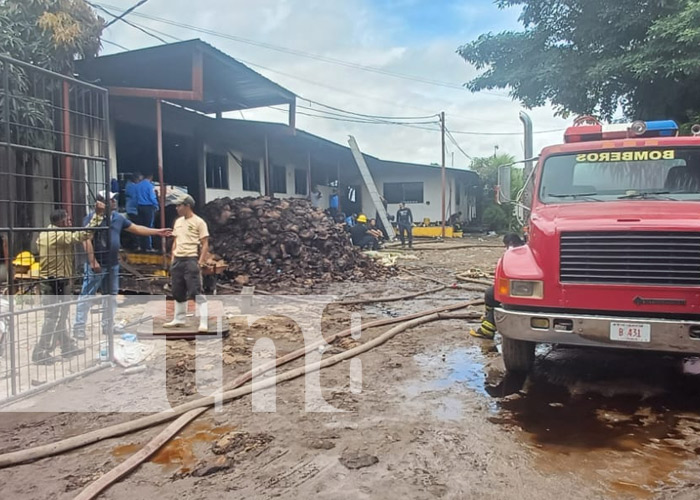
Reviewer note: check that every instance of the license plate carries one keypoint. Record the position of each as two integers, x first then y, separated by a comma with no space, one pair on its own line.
630,332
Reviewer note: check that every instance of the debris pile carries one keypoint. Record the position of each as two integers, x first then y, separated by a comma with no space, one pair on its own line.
276,243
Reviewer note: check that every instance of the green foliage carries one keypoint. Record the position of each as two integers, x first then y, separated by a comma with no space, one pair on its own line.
487,167
49,34
495,219
592,56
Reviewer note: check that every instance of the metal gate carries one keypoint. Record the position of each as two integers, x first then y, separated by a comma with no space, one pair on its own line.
54,149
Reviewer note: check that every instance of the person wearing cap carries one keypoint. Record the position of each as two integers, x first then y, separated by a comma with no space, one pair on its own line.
102,266
190,252
361,236
56,255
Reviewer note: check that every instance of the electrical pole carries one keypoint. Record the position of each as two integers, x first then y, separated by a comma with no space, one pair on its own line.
442,127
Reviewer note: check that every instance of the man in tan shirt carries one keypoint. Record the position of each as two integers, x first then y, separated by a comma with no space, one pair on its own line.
189,253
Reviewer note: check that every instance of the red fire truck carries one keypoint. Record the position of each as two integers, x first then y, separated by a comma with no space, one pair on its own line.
613,254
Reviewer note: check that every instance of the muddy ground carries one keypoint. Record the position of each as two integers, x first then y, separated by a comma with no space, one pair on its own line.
424,424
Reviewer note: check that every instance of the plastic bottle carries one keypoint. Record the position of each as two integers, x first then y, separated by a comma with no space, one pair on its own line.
104,351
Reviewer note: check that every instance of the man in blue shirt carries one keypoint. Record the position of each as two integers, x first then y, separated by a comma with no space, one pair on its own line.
147,204
334,203
132,203
102,267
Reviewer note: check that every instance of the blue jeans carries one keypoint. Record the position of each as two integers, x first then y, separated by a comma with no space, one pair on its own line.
147,215
92,282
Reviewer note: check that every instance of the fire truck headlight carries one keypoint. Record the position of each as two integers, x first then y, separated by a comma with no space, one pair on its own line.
522,288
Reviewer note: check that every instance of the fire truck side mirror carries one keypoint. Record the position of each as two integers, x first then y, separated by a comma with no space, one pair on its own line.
503,188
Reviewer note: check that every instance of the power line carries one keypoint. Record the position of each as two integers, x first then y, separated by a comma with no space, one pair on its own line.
126,13
366,118
337,117
115,16
318,84
301,53
456,144
464,132
370,116
358,120
115,44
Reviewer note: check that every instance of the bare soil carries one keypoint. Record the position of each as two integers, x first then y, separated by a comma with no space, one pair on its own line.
433,419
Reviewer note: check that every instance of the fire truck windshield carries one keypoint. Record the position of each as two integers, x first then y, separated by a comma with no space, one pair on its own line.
637,174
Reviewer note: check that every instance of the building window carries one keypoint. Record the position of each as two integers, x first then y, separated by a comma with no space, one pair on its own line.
251,175
279,179
403,192
300,180
458,193
217,171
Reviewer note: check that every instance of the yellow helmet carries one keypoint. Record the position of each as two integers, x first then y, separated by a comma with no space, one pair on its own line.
362,218
24,259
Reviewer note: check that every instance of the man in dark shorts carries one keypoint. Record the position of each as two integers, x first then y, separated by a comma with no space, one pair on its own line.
189,254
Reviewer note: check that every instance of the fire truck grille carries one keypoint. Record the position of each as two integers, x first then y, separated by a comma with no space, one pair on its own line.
630,257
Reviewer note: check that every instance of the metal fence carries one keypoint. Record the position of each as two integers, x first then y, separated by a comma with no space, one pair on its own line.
54,149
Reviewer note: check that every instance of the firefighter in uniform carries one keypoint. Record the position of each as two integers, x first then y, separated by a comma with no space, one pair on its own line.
487,330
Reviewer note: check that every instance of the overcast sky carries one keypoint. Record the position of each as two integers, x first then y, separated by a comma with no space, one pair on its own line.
416,38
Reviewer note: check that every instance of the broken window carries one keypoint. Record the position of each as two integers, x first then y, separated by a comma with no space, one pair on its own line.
217,171
279,179
300,181
251,175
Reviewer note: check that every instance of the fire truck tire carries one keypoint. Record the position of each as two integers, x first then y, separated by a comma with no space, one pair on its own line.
518,355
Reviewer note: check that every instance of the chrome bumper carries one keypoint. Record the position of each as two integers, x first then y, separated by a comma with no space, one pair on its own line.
594,331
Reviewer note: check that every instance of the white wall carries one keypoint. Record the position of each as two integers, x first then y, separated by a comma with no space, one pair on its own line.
235,177
235,180
432,193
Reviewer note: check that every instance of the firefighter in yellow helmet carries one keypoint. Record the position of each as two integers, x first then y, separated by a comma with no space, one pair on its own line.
361,236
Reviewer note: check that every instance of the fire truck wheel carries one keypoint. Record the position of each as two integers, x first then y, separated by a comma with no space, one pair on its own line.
518,355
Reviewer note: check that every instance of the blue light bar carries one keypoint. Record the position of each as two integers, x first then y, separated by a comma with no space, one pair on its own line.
662,128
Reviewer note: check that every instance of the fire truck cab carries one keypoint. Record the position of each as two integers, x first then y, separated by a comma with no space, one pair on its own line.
613,253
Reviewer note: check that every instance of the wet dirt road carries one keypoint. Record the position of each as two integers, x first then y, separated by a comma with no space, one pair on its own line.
426,424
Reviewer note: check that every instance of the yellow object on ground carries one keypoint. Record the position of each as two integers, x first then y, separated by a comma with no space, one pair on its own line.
389,258
143,258
436,232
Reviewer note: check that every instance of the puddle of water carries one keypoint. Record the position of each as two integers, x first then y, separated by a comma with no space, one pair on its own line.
450,371
617,419
179,453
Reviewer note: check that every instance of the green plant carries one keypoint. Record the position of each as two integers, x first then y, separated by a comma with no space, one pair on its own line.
495,219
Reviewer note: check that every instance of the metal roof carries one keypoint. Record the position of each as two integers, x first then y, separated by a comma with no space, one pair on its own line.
249,135
228,85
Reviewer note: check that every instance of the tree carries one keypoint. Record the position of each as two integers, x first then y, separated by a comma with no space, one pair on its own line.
49,33
595,56
496,217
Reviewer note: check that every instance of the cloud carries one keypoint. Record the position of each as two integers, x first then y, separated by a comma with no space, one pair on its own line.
360,32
